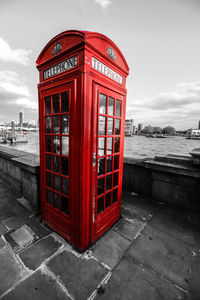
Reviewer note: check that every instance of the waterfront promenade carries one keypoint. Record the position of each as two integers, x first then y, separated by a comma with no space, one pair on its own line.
153,252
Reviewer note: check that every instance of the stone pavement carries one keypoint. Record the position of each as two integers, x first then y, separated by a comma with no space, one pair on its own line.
153,252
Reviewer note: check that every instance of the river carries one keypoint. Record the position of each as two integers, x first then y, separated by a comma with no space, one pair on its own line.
134,146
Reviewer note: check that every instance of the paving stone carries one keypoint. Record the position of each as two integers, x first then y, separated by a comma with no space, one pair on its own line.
163,254
2,229
16,221
136,207
129,281
39,228
5,210
2,244
110,248
10,270
129,230
131,214
80,276
172,223
37,286
9,207
194,285
37,253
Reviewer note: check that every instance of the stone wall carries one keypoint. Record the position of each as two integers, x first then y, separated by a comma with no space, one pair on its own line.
171,179
136,178
20,171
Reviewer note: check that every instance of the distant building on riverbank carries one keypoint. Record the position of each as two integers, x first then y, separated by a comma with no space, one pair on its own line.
140,127
152,129
21,118
129,124
193,132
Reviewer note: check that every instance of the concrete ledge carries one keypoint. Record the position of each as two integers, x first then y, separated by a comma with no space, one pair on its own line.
10,153
196,156
20,171
31,163
173,168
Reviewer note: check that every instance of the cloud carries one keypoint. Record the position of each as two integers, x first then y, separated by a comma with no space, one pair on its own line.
14,93
185,94
103,3
180,107
19,56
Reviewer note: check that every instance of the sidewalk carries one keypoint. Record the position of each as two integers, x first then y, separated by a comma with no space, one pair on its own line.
153,252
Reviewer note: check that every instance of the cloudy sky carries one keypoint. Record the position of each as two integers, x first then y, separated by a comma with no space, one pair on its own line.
160,40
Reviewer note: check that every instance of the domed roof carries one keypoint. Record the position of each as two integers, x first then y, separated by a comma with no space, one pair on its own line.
71,39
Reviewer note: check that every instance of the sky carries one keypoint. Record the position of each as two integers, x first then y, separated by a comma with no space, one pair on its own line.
160,40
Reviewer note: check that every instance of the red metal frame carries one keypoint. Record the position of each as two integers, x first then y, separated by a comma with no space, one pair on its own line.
86,217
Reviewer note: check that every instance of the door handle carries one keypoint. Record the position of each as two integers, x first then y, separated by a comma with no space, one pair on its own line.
94,159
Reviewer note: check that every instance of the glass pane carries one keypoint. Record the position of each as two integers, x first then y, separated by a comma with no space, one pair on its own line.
65,102
108,200
115,195
56,144
100,205
65,145
102,125
116,162
65,124
56,200
102,104
48,179
56,182
108,182
117,126
118,108
48,162
65,204
109,146
101,166
64,186
111,106
115,179
48,143
49,197
56,128
48,105
65,165
48,124
56,164
55,103
109,164
117,145
101,148
100,186
110,126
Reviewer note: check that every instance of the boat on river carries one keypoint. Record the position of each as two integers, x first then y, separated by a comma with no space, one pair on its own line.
12,138
151,136
158,136
192,138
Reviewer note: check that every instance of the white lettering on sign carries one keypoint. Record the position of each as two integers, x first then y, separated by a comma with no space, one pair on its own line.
63,66
99,66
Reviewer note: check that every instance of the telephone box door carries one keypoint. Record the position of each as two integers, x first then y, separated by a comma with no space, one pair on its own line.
108,124
57,106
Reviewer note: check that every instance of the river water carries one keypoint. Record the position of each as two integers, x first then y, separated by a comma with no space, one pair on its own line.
140,146
134,146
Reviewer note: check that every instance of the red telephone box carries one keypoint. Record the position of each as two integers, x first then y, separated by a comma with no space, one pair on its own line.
82,101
